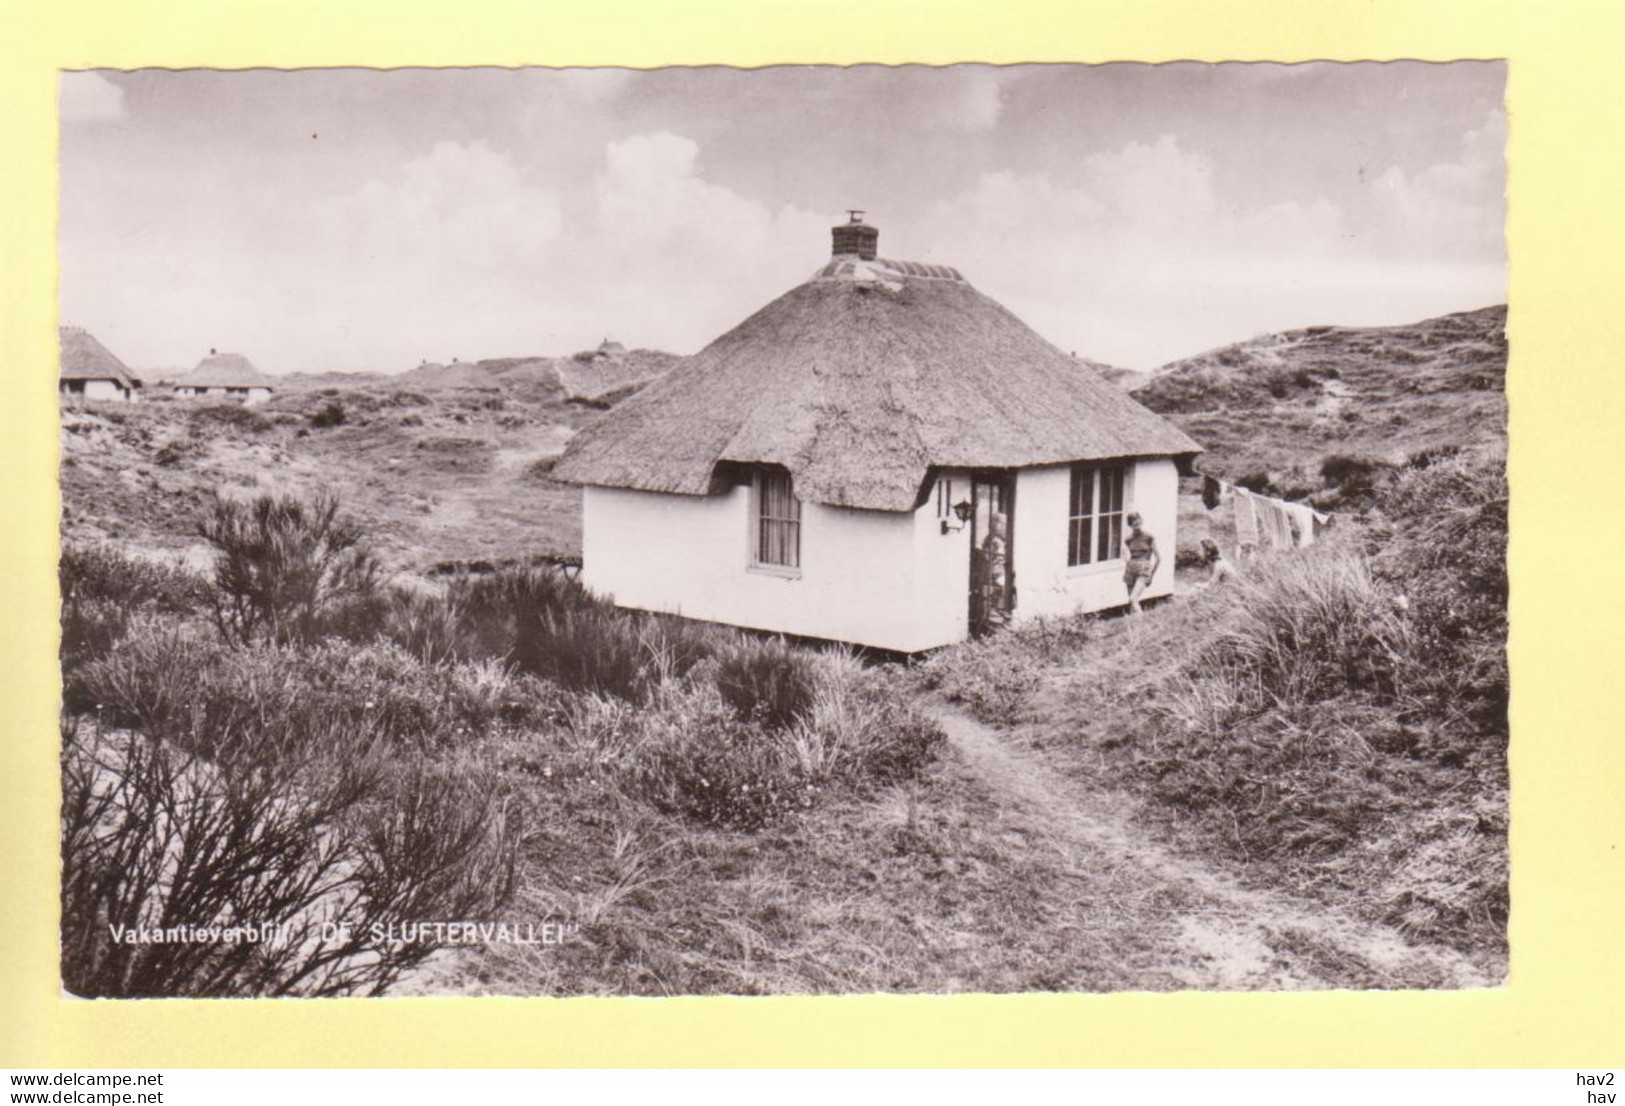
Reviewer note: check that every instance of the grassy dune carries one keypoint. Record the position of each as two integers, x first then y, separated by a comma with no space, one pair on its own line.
1297,781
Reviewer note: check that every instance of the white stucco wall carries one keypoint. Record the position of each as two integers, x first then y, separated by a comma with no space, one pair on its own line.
1045,585
99,390
894,581
860,580
255,395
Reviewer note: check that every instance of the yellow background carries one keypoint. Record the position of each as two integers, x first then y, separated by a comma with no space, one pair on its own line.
1564,1005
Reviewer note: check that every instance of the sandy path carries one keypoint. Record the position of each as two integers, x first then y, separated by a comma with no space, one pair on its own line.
1231,936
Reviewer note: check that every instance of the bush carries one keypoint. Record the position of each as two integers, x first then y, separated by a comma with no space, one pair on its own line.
331,414
99,572
1312,628
696,758
102,590
770,682
152,839
1353,475
859,730
234,415
548,625
285,569
1446,553
687,752
996,676
168,682
591,651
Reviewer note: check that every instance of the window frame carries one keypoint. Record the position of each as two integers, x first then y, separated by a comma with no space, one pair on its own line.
1097,473
758,501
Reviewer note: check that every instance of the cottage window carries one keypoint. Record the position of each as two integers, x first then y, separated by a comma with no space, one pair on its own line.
778,521
1095,517
74,387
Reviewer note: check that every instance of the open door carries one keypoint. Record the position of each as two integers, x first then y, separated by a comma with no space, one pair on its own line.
992,562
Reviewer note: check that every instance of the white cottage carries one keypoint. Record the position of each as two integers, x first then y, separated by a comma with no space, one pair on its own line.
89,371
830,467
225,376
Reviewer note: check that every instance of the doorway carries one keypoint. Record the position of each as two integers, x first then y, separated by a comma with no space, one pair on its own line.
992,569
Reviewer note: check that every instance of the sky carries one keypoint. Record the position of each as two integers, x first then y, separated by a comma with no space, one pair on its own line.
354,220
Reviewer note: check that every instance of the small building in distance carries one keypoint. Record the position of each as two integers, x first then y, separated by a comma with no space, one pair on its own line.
225,376
90,371
836,465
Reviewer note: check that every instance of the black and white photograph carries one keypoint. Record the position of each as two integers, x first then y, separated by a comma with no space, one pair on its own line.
799,530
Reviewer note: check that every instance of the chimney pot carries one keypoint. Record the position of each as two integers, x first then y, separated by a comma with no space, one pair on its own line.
855,238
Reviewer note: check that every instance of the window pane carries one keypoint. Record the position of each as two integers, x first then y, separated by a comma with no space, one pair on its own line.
1111,537
1083,491
778,521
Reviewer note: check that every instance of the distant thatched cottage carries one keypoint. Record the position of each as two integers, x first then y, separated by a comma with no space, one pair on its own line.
830,467
89,371
225,376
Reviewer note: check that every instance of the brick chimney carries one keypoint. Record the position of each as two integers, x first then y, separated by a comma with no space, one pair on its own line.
856,238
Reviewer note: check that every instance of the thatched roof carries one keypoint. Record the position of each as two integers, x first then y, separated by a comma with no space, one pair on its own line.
225,370
84,358
859,382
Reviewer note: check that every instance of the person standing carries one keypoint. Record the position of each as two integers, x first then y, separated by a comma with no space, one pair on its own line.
995,573
1143,561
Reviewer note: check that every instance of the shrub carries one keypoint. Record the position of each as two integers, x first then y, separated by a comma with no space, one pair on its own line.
550,626
331,414
284,567
234,415
770,682
996,676
859,730
696,758
688,752
176,450
1354,475
1427,458
169,683
1447,555
102,590
582,650
154,839
1313,627
428,627
100,572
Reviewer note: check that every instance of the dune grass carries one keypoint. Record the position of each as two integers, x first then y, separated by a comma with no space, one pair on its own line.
1335,722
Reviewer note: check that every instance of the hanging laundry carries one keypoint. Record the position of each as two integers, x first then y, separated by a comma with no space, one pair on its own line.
1211,490
1272,522
1280,525
1246,522
1303,522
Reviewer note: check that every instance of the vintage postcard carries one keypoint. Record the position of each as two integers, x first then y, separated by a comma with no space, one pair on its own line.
803,530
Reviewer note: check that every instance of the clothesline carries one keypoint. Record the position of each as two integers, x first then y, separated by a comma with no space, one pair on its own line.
1263,520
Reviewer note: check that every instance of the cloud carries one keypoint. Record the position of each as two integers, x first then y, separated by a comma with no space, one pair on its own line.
1452,209
1153,182
674,256
85,97
978,99
462,206
1142,232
